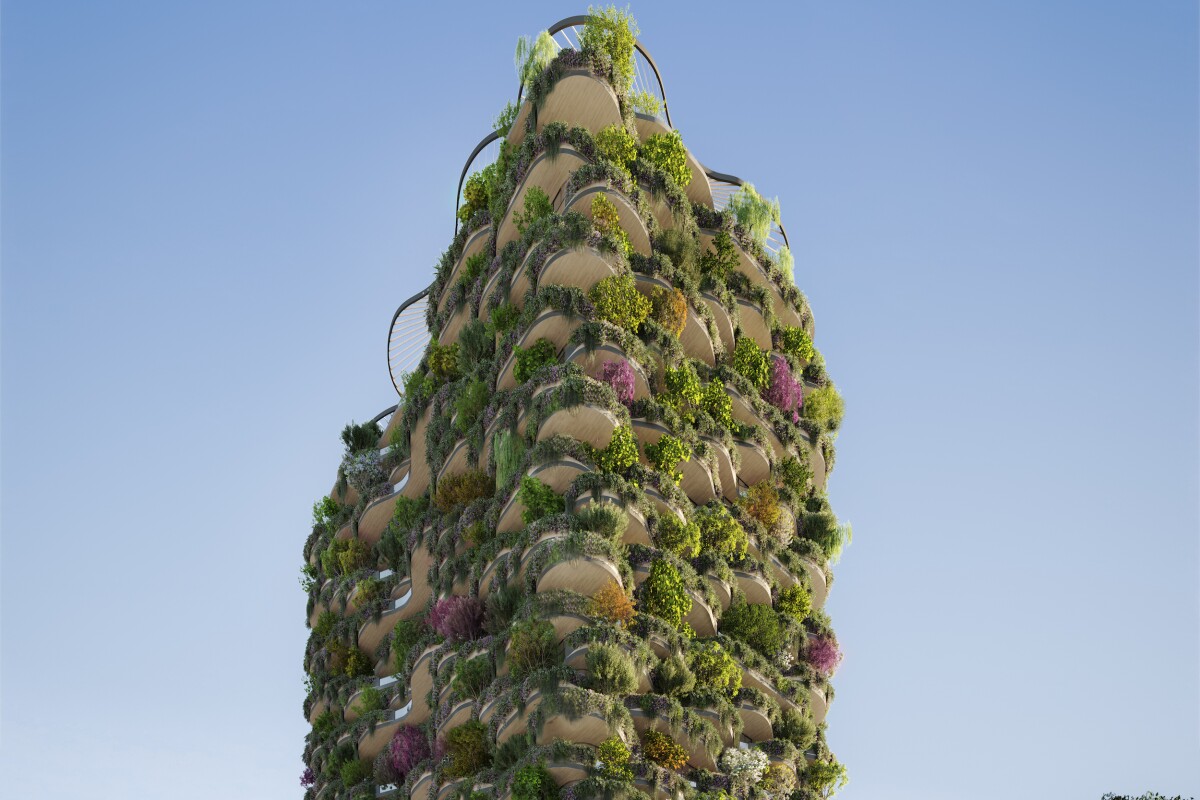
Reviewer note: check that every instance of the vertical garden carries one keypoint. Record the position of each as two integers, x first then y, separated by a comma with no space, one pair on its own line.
587,554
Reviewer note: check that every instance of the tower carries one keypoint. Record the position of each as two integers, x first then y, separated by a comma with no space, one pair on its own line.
586,554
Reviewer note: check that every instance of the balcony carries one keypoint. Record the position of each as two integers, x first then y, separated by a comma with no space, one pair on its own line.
372,633
595,360
558,474
755,587
631,221
694,339
636,532
749,267
372,743
698,755
723,320
548,172
551,324
586,423
475,243
725,470
697,190
754,322
579,98
576,659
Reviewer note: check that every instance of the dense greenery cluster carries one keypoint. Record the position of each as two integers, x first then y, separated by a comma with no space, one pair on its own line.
486,592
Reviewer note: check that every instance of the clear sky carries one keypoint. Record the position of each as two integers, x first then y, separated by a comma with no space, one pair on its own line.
210,211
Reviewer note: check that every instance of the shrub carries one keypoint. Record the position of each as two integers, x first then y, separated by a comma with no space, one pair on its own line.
475,197
369,590
466,747
344,556
607,221
684,393
611,32
794,601
680,538
474,266
369,699
616,144
470,404
307,778
613,756
358,663
672,676
606,519
621,452
823,528
610,669
669,308
408,512
715,668
458,490
797,728
325,623
619,375
539,500
662,750
504,317
618,301
824,654
751,363
533,56
666,151
530,359
824,778
644,102
477,342
664,595
472,677
613,604
753,212
745,768
756,625
716,403
533,782
682,248
510,450
537,205
720,533
722,259
501,606
326,722
795,475
443,361
778,781
825,407
408,748
794,342
357,438
665,455
784,392
355,772
533,646
761,502
405,636
459,619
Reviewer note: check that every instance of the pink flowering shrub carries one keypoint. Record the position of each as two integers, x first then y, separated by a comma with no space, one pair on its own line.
824,654
619,375
785,392
408,748
459,619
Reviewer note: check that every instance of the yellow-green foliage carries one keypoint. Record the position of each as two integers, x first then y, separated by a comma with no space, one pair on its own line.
613,756
612,32
458,490
607,220
617,145
720,533
761,502
714,667
443,361
662,750
665,595
621,453
666,151
795,602
669,309
680,538
752,363
825,407
665,455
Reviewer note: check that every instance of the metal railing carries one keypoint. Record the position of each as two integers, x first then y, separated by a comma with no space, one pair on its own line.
407,337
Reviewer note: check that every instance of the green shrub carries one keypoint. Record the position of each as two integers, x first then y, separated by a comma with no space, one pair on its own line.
794,601
477,342
672,677
684,392
795,474
669,308
539,500
682,248
470,404
756,625
824,778
621,452
606,519
369,699
795,342
796,727
510,450
665,455
680,538
666,151
369,590
613,756
529,360
823,528
664,595
533,56
325,512
720,533
466,750
443,361
611,32
533,646
716,403
501,606
344,556
825,407
537,205
326,722
722,259
474,266
662,750
778,781
325,623
472,677
610,669
618,301
644,102
357,438
753,212
504,317
454,491
475,197
534,782
355,772
607,221
615,144
761,502
405,636
358,663
715,668
752,363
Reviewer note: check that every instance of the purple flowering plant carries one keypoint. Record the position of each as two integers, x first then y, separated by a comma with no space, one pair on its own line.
785,392
619,375
459,619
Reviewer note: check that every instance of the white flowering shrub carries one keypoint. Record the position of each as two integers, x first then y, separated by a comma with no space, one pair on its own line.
745,768
364,472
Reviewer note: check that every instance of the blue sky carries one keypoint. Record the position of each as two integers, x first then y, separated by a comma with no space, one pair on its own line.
210,211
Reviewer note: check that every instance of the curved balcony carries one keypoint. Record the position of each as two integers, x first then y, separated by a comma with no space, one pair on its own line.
756,680
647,432
419,686
548,172
661,505
453,327
754,323
744,413
725,469
631,221
576,659
723,320
557,474
318,708
818,704
422,786
372,633
398,702
636,532
694,339
586,575
700,617
457,462
579,98
399,474
755,587
755,466
749,267
698,755
372,743
697,482
721,589
459,714
587,423
475,243
594,363
818,585
698,189
756,725
551,324
582,267
418,470
517,721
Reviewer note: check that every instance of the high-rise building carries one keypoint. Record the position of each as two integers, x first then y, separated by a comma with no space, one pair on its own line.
586,554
